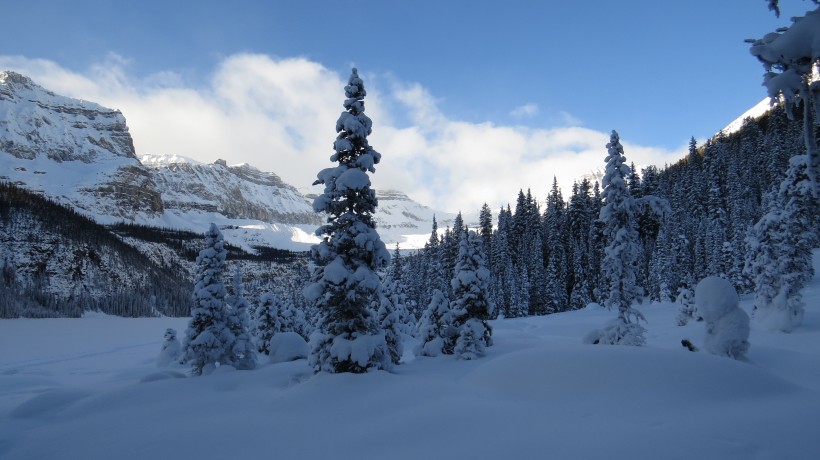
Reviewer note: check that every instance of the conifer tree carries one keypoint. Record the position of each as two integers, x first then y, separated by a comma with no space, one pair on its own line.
471,306
208,339
435,325
791,65
485,230
503,274
243,355
621,253
556,242
390,322
780,244
344,284
450,246
267,322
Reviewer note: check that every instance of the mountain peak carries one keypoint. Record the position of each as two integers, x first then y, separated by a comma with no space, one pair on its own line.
10,77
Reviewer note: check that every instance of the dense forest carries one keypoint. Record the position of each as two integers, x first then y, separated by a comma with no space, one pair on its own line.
693,221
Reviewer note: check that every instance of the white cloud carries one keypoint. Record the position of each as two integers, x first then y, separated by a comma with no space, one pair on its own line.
279,115
525,111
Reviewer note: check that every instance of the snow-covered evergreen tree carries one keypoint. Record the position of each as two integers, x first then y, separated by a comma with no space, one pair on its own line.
394,292
779,249
504,274
435,326
267,322
243,353
791,61
208,339
556,243
621,252
485,230
686,302
170,349
273,316
390,323
470,306
344,284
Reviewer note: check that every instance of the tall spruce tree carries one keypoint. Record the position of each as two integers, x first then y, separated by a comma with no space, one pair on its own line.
344,284
485,230
621,253
556,244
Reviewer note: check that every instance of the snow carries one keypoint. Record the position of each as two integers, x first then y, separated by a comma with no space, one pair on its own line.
755,112
89,388
715,297
287,346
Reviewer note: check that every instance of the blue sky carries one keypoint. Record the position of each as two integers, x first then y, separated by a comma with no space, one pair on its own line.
535,73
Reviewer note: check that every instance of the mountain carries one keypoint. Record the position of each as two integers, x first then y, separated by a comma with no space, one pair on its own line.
237,192
75,152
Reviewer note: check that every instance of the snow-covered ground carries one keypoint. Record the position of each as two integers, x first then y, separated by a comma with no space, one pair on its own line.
89,389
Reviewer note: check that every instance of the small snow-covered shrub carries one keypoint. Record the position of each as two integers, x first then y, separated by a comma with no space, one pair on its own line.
727,326
288,346
171,349
473,339
618,332
686,300
783,314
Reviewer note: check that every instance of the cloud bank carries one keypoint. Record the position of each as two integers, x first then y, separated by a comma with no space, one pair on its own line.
279,115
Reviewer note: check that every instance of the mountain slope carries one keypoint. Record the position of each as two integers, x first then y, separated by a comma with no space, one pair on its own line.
58,262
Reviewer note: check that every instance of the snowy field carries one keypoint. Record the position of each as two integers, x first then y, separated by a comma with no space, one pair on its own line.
89,389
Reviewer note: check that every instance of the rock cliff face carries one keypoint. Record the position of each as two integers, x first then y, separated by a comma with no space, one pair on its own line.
237,192
38,123
76,152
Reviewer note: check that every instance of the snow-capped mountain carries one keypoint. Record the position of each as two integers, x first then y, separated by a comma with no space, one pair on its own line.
237,192
401,220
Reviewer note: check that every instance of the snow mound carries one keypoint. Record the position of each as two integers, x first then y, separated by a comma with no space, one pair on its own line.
49,403
727,326
715,297
288,346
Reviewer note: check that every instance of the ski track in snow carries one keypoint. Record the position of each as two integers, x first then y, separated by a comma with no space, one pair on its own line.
15,367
